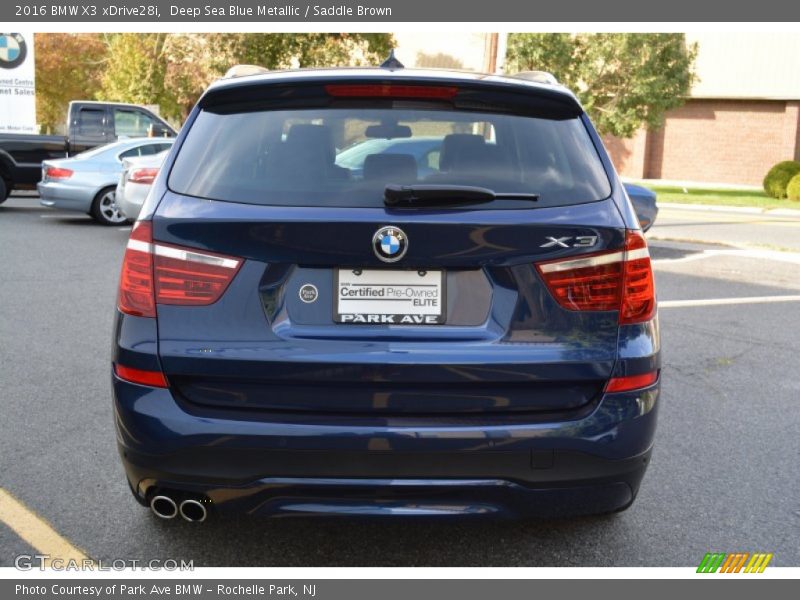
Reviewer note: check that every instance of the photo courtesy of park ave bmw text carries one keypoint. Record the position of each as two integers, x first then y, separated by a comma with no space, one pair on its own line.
506,291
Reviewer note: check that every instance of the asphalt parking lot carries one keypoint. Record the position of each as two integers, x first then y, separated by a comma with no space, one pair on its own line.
724,476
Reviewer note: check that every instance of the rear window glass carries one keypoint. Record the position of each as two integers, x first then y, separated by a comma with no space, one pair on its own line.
346,156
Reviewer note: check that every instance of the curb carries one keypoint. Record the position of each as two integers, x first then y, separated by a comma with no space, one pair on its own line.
748,210
697,185
784,212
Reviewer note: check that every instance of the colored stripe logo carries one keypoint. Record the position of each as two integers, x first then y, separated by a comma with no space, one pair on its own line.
738,562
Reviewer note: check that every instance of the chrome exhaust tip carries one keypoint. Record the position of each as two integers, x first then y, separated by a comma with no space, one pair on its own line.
193,510
164,507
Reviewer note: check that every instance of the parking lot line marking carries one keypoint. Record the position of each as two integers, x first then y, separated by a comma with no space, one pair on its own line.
36,531
718,216
687,258
723,301
759,253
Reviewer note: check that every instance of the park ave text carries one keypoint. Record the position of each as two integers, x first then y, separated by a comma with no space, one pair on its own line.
168,589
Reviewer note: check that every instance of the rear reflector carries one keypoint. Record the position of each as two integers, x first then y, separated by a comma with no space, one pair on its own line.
618,280
391,91
631,382
154,273
151,378
58,173
143,175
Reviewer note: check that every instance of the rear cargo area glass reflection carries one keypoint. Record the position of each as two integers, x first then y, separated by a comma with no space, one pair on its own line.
347,156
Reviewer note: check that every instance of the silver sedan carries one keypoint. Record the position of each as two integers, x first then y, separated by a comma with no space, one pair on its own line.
135,182
88,182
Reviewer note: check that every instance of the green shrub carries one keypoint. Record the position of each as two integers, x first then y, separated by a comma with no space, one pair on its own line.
779,176
793,189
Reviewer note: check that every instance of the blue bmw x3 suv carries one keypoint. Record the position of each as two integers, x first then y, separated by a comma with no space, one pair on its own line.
294,337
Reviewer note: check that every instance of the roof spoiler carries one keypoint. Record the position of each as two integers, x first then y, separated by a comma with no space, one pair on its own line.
537,77
244,71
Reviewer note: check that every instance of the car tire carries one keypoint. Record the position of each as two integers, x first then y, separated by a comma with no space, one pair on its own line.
104,208
5,190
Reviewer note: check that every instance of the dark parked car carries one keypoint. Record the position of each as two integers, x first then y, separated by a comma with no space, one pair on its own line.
89,124
644,204
297,337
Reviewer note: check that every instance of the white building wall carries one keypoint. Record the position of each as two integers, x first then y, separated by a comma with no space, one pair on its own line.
444,49
747,65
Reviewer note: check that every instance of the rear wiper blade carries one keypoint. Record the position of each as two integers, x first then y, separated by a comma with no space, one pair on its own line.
446,195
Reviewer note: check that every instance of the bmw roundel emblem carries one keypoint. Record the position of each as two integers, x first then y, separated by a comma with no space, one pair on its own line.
390,243
13,50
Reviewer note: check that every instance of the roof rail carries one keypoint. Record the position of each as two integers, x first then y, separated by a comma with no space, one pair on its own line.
537,77
244,70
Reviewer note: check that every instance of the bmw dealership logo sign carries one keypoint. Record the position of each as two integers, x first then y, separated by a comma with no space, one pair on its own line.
390,244
13,50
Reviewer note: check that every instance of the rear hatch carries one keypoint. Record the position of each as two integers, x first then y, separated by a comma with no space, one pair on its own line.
321,297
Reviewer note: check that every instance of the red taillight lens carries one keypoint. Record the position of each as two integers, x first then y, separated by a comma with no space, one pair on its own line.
136,281
151,378
639,290
391,91
618,280
588,283
143,175
154,273
58,173
189,277
631,382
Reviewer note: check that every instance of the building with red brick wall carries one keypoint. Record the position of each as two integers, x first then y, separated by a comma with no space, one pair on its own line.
742,118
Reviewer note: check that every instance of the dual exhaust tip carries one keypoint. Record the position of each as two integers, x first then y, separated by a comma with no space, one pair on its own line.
190,509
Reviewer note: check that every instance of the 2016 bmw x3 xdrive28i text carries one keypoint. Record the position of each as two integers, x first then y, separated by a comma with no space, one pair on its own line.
475,337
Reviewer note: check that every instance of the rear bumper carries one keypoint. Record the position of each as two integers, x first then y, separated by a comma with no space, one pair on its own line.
268,463
69,197
131,200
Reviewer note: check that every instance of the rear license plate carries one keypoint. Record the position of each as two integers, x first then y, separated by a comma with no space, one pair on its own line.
389,297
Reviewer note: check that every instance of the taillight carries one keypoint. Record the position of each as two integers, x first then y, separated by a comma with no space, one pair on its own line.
618,280
431,92
143,175
639,290
155,273
150,378
631,382
189,277
58,173
136,281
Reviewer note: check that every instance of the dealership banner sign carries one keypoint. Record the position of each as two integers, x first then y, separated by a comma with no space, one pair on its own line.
17,83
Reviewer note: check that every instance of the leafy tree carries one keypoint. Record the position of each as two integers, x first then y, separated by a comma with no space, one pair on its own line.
172,70
623,80
69,66
135,68
298,50
340,49
440,60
